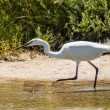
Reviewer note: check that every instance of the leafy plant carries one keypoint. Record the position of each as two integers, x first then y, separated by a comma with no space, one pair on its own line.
56,21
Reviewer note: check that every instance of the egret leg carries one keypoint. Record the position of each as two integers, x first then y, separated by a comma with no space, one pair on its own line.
74,78
96,73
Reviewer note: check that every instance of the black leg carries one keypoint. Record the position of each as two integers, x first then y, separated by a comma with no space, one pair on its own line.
74,78
96,74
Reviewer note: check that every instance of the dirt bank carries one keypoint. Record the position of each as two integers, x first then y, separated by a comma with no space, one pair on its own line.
45,68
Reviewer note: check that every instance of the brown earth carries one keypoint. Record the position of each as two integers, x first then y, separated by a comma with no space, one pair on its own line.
45,68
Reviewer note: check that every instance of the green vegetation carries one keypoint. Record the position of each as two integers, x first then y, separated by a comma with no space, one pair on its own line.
56,21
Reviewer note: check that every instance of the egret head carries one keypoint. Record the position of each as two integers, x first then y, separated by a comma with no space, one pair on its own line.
33,42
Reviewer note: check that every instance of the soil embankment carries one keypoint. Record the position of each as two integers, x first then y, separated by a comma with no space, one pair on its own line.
45,68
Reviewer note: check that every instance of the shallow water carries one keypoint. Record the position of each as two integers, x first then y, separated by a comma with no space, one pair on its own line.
26,95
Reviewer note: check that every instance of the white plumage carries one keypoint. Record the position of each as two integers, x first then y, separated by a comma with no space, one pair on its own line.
83,50
77,51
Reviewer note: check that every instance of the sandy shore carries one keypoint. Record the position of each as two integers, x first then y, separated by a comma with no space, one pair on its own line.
45,68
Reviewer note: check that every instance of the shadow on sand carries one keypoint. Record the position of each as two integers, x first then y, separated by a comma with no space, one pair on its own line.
93,90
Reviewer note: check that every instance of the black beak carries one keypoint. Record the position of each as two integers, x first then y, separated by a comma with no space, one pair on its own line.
23,46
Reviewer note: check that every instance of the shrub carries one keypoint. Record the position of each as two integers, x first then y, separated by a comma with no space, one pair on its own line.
56,21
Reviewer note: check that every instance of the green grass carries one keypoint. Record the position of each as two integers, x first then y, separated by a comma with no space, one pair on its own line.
56,21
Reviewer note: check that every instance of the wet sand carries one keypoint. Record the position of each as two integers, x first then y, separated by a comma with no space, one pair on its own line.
43,68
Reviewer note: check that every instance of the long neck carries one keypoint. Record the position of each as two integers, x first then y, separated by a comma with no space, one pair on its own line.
49,52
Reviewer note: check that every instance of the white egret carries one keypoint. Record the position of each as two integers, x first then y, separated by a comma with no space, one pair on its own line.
77,51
